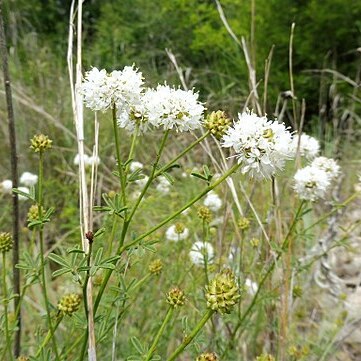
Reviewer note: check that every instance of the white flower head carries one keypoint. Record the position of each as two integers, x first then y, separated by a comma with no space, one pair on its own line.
6,186
142,181
311,183
309,146
176,232
261,146
251,286
135,166
164,185
213,201
173,108
120,88
201,252
28,179
93,160
329,165
88,161
24,190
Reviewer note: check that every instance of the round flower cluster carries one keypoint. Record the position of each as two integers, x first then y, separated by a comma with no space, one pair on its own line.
27,179
262,146
175,297
208,356
307,146
164,185
201,252
6,242
177,232
69,303
313,182
213,201
89,161
139,109
120,88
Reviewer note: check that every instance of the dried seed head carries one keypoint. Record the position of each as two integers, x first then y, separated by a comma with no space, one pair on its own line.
207,356
156,267
243,223
6,242
40,143
205,214
69,304
218,123
222,293
176,297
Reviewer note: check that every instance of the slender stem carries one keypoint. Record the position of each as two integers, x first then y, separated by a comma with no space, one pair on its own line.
159,333
270,268
7,334
85,285
188,339
112,234
41,241
48,335
132,149
14,178
122,248
180,155
117,150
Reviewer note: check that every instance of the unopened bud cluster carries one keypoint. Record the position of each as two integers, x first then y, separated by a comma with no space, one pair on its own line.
69,304
217,123
205,214
208,356
222,293
243,223
40,143
176,297
265,357
156,267
33,213
179,228
22,358
6,242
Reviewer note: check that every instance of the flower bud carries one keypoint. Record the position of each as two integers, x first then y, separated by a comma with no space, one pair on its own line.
33,213
6,242
22,358
40,143
218,123
204,213
208,356
69,303
156,267
265,357
222,293
176,297
243,223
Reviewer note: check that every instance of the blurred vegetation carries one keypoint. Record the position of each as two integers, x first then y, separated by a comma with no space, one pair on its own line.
120,32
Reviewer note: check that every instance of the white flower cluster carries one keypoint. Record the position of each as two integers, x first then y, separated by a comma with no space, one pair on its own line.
174,234
140,108
89,161
120,88
213,201
164,185
262,146
307,146
201,252
135,166
27,179
314,181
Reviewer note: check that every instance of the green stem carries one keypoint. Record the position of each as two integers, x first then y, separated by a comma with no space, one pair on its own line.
188,339
180,155
112,234
270,269
49,335
7,334
41,241
87,278
132,149
117,150
159,333
122,248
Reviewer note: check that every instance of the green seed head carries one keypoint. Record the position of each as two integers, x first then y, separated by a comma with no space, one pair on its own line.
69,304
265,357
6,242
217,123
156,267
205,214
208,356
222,293
23,358
243,223
176,297
33,213
179,228
40,143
